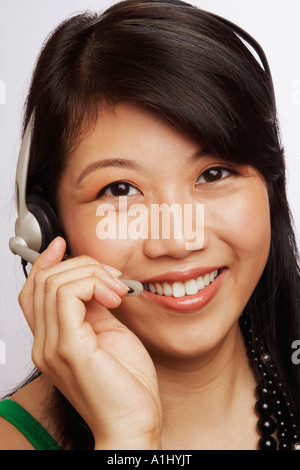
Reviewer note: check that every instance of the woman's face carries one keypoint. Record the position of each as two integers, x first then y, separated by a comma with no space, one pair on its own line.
154,164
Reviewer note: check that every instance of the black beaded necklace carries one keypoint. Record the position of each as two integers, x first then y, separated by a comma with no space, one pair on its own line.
273,405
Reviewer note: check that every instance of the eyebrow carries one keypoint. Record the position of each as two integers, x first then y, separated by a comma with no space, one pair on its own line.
127,163
112,162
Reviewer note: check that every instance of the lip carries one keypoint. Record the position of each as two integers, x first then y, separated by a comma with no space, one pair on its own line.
189,303
181,276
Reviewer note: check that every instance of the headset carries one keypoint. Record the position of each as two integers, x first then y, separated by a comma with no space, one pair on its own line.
37,224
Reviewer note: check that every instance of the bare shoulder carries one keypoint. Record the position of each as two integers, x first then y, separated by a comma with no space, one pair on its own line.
33,398
11,438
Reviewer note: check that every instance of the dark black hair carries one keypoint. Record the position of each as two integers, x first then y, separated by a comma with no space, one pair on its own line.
193,71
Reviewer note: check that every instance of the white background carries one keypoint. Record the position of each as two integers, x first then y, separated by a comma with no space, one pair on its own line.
24,25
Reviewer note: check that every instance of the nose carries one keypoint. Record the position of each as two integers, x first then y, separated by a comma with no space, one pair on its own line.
175,230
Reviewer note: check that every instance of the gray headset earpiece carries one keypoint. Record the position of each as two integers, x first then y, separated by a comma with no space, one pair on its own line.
36,225
136,287
28,237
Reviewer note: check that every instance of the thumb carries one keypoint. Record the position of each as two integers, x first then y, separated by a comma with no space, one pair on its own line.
53,254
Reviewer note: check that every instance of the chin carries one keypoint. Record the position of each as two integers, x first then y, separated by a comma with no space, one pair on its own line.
187,344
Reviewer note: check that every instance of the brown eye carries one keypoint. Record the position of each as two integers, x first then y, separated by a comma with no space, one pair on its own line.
213,174
118,189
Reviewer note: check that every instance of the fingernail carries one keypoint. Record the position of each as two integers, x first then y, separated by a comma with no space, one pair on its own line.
53,242
121,284
115,272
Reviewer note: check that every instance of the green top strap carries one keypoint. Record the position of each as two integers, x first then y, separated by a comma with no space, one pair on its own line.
27,425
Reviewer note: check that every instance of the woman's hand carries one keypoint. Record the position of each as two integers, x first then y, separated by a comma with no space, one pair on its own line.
96,362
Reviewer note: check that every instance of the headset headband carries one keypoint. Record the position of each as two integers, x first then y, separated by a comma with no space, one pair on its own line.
246,37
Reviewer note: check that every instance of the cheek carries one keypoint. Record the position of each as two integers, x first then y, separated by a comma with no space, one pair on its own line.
244,222
81,229
250,222
241,233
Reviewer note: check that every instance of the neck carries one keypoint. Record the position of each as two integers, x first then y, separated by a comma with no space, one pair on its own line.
208,391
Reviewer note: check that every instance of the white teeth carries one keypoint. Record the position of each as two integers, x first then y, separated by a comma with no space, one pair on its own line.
180,289
191,287
159,289
200,283
206,280
152,288
168,291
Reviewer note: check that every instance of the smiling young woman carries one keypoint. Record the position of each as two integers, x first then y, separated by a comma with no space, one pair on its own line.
162,103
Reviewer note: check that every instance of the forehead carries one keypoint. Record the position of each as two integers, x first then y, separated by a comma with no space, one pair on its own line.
130,132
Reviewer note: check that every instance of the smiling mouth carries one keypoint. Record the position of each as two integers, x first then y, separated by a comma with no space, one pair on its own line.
181,289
